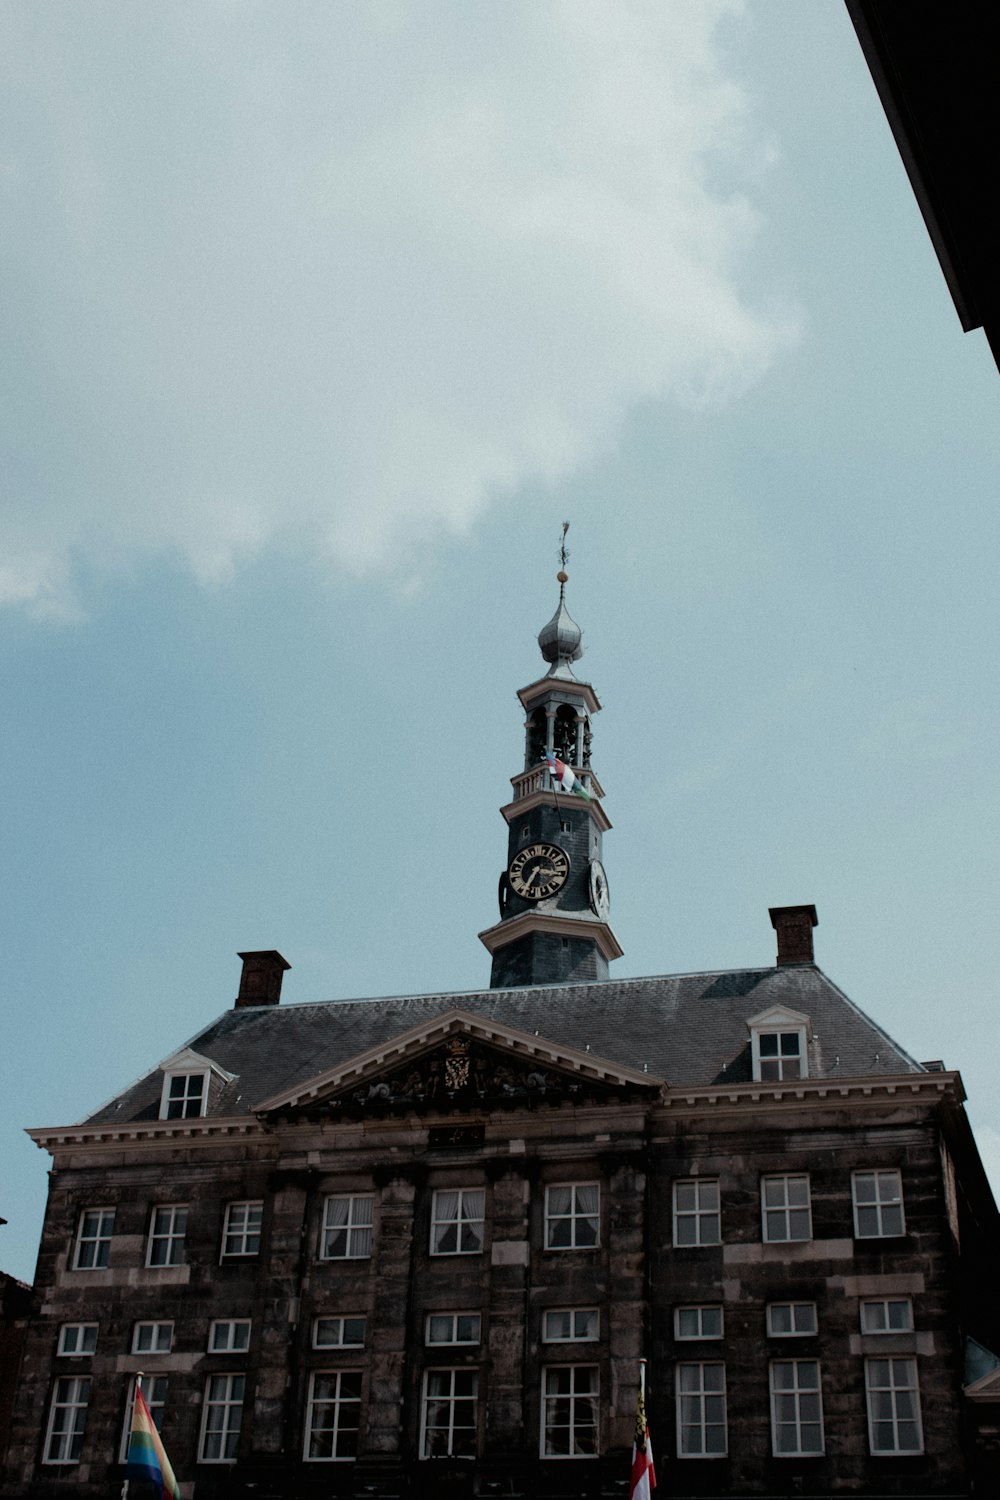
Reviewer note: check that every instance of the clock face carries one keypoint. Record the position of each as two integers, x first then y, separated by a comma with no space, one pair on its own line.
600,901
538,871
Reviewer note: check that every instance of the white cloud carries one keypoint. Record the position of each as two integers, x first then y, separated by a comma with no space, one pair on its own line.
317,275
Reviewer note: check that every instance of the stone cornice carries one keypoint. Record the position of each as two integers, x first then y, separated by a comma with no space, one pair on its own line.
564,687
201,1132
815,1093
511,811
511,928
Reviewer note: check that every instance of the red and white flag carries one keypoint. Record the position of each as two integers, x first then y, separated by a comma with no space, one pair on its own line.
643,1473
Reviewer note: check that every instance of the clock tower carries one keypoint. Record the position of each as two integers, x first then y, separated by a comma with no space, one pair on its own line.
554,905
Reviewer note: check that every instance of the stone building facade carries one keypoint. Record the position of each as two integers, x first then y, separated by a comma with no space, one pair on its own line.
420,1245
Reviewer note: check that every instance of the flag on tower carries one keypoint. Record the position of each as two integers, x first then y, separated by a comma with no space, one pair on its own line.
147,1457
643,1474
561,773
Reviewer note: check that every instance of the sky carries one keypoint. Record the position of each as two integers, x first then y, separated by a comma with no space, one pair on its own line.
318,323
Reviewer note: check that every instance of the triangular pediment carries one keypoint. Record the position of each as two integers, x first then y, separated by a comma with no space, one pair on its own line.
459,1061
189,1061
779,1016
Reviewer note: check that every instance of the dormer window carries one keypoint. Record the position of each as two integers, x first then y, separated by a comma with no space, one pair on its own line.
780,1045
184,1096
188,1085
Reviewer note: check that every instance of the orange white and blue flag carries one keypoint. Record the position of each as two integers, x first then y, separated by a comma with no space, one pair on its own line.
566,779
643,1473
147,1457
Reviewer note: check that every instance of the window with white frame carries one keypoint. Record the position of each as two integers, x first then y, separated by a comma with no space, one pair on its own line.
796,1408
791,1319
701,1409
152,1338
339,1333
453,1328
699,1321
93,1239
878,1204
229,1336
185,1096
222,1414
457,1221
154,1390
572,1216
333,1416
570,1325
779,1045
893,1406
887,1315
241,1234
347,1227
77,1339
449,1414
167,1229
786,1212
67,1419
569,1411
697,1218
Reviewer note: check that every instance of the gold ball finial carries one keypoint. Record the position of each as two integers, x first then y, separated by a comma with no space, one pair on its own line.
562,577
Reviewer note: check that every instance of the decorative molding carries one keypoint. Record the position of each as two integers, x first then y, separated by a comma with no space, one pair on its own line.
509,929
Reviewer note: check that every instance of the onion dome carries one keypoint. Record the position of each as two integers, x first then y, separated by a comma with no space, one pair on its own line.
561,640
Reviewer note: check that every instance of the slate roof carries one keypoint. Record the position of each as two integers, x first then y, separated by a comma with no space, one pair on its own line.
688,1029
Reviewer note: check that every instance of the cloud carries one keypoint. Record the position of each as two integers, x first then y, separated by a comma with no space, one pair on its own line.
324,276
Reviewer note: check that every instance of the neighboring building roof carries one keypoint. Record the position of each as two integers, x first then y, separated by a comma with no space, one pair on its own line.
935,68
689,1029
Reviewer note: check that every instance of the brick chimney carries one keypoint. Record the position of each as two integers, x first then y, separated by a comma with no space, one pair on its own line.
260,982
794,925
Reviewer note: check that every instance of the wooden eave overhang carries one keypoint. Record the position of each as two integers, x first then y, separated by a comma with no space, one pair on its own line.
511,811
524,1045
550,686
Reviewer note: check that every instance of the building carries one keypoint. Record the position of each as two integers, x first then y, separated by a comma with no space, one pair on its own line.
419,1245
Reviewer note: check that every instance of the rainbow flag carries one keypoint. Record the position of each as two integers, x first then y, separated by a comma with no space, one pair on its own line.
567,781
147,1457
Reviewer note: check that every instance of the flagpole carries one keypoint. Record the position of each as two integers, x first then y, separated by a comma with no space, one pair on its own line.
137,1387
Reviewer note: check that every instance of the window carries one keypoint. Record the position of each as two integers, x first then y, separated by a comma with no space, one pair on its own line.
448,1419
229,1337
241,1235
185,1096
152,1338
785,1209
453,1328
781,1055
697,1220
93,1239
796,1408
569,1412
887,1315
154,1389
572,1216
339,1333
347,1228
701,1410
570,1325
167,1229
77,1339
67,1418
779,1049
878,1204
332,1416
700,1322
221,1418
791,1319
893,1406
457,1221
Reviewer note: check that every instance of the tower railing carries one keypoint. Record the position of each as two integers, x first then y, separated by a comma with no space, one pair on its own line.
537,779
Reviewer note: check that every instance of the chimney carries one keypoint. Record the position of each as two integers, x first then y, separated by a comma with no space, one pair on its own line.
260,982
794,925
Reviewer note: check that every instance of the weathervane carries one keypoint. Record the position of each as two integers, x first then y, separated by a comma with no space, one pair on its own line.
562,575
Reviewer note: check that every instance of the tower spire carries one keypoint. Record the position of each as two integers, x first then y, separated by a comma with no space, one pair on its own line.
553,926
